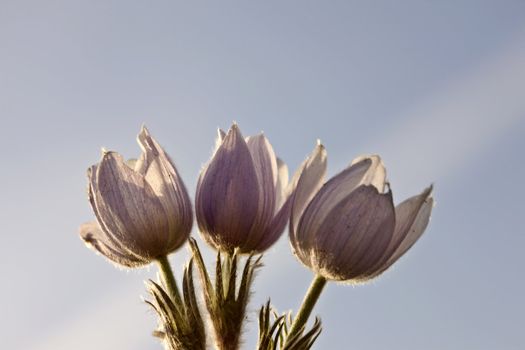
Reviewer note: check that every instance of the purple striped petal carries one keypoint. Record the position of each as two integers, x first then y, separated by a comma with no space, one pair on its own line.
128,207
162,176
307,180
363,171
276,227
265,164
227,196
353,236
412,218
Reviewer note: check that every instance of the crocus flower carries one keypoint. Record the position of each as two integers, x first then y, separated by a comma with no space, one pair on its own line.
142,208
242,198
348,229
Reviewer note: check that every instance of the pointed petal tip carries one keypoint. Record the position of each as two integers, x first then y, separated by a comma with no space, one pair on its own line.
143,133
320,148
234,129
318,154
221,135
387,190
91,170
233,133
108,156
428,192
111,156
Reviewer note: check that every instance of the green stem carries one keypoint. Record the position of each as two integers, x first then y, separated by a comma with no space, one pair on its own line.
308,304
168,279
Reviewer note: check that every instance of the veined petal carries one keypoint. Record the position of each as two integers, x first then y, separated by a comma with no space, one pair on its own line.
376,173
281,188
362,171
128,207
412,218
161,174
227,196
353,236
284,192
220,137
265,164
276,227
307,180
95,238
113,240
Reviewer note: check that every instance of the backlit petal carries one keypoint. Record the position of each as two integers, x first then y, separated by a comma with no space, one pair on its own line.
412,218
307,180
161,174
363,171
265,164
353,236
227,196
281,188
95,238
128,207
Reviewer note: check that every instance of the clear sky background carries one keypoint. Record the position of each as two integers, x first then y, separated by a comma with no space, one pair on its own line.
437,88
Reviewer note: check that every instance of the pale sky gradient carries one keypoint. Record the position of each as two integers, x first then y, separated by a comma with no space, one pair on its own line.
436,88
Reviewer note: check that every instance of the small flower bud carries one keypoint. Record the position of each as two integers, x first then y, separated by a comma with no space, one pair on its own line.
142,207
348,229
243,196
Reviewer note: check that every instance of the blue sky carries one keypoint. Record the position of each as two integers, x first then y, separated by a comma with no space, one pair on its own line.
436,88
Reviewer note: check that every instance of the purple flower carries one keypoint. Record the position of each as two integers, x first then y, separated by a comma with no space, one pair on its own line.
243,196
142,208
348,229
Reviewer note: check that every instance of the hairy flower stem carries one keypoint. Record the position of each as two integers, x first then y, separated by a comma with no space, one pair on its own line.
308,304
168,279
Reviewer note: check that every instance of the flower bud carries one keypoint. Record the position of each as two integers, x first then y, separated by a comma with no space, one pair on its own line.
347,229
142,208
243,196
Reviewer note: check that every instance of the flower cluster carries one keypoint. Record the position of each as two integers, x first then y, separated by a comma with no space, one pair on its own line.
343,229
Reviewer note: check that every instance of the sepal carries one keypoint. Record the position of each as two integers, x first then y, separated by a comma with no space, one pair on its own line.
225,301
274,329
181,326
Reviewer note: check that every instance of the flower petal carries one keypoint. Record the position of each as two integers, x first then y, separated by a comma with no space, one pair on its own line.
113,240
220,135
128,208
227,196
281,189
412,218
284,194
362,171
353,236
95,238
161,174
376,173
276,227
265,164
306,181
